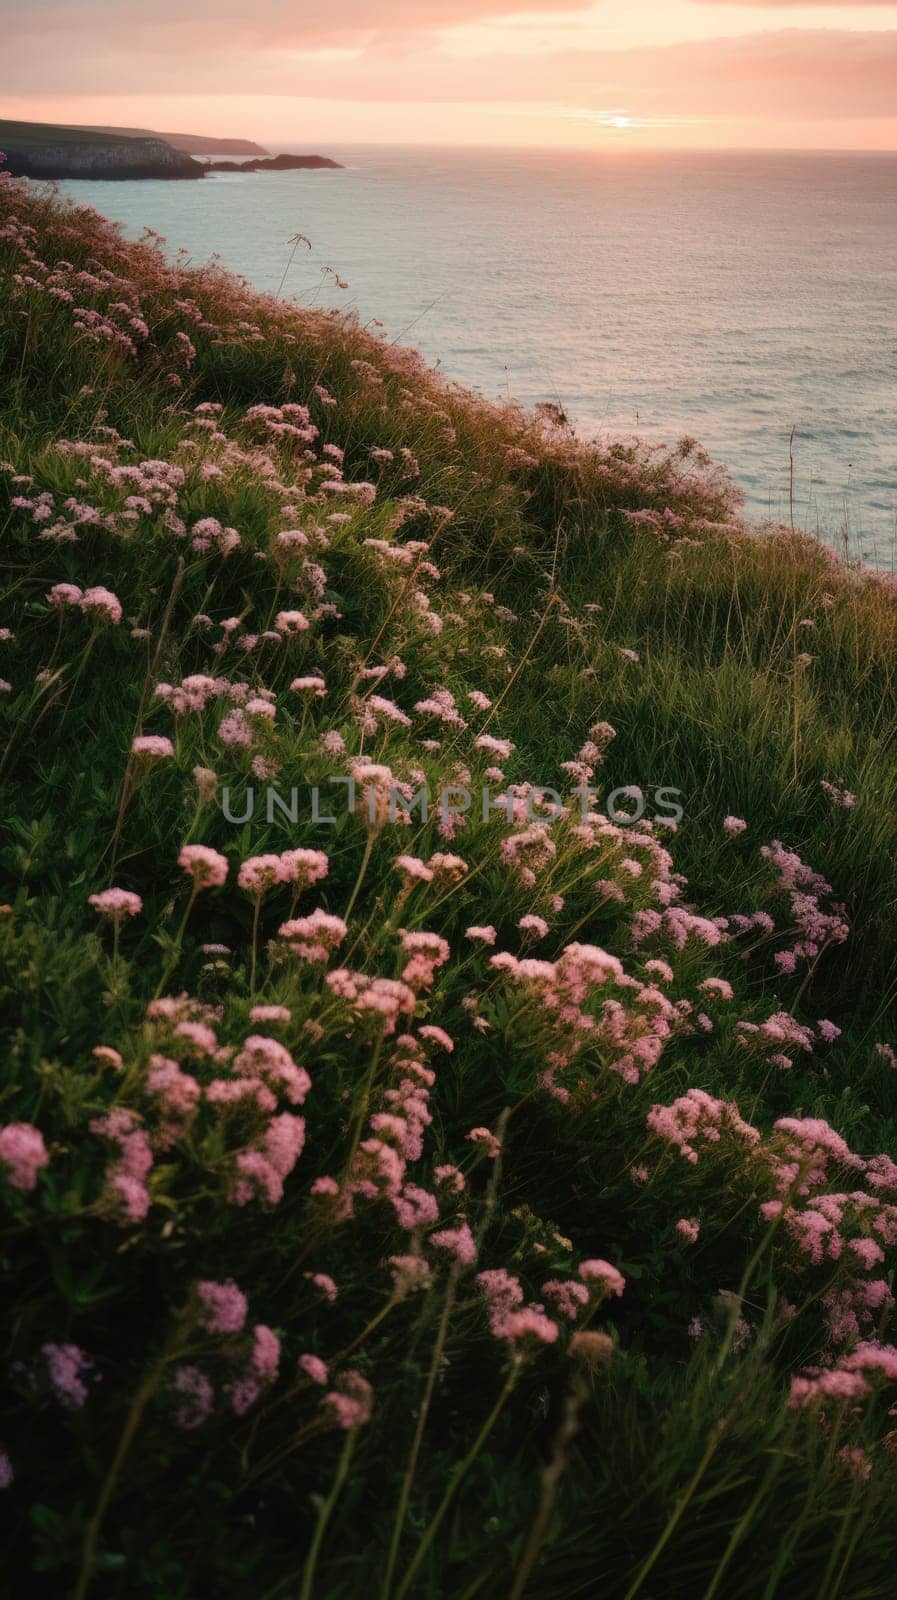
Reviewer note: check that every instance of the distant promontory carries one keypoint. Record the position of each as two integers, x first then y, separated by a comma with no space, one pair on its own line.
192,144
45,150
284,163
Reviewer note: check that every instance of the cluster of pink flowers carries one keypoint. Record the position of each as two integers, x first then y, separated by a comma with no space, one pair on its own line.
68,1371
427,952
153,746
99,603
351,1403
260,1371
177,1094
126,1193
300,868
850,1378
208,534
224,1307
816,928
383,1002
696,1121
23,1154
839,794
529,853
734,825
630,1033
116,904
527,1327
315,937
194,1397
208,868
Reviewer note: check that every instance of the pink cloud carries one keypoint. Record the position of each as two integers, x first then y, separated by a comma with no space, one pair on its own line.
218,28
392,52
798,75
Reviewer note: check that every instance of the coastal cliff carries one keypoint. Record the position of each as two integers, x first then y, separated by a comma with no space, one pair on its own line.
36,150
41,150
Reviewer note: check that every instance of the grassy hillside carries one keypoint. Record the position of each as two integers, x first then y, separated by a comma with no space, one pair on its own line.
26,133
485,1204
192,143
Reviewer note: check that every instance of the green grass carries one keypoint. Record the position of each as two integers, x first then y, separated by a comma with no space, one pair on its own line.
673,1468
22,134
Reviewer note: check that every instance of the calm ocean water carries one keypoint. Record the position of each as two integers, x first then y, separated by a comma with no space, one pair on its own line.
727,296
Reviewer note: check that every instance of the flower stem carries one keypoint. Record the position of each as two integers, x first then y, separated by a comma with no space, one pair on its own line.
408,1479
551,1477
128,1434
172,961
678,1512
255,938
324,1515
361,872
455,1482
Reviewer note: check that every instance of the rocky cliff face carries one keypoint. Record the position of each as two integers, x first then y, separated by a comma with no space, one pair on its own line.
98,158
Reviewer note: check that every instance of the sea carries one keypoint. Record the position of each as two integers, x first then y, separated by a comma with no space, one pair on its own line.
748,300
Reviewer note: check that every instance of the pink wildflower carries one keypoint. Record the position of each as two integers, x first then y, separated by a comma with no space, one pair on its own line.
126,1191
314,1368
302,868
23,1153
459,1242
324,1284
64,594
601,1273
436,1036
266,1058
529,1325
259,873
566,1296
224,1306
409,1274
415,870
291,622
352,1401
101,604
195,1397
67,1366
270,1014
116,904
486,1140
105,1056
315,937
154,746
208,868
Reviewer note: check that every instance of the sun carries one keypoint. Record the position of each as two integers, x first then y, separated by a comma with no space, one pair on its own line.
621,122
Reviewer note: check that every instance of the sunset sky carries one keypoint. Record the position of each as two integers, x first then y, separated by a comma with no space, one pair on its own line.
605,75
